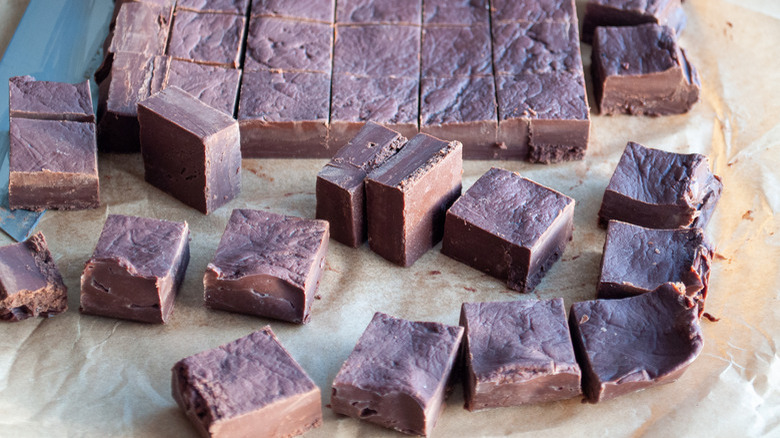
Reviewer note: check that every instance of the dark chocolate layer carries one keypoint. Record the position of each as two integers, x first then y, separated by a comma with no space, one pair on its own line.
456,12
284,44
314,10
378,50
214,39
601,13
379,11
33,99
451,51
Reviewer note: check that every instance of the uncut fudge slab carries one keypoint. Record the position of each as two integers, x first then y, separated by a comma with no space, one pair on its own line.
536,48
449,51
534,11
379,11
509,227
136,269
267,265
658,189
517,352
290,45
212,85
633,343
44,100
408,197
30,284
397,374
640,70
190,150
456,12
237,7
600,13
206,38
249,387
377,50
341,195
310,10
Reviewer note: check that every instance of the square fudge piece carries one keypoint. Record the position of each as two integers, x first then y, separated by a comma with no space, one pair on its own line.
536,48
284,115
31,99
136,269
517,352
267,265
378,51
141,27
641,70
456,12
249,387
601,13
534,11
634,343
119,3
658,189
215,86
408,196
379,11
341,198
456,51
509,227
31,285
237,7
397,374
309,10
205,38
284,44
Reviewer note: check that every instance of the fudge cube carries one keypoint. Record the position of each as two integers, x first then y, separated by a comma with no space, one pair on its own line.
658,189
509,227
379,11
601,13
237,7
449,51
207,38
308,10
397,374
517,352
534,11
456,12
267,265
190,150
30,285
283,44
141,27
408,197
536,48
378,51
214,86
249,387
31,99
136,269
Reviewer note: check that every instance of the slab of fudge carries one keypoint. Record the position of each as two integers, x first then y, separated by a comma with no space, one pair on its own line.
142,27
379,11
311,10
136,269
237,7
378,51
517,352
212,85
284,115
267,265
640,70
397,374
449,51
536,47
118,7
45,100
190,150
533,11
658,189
456,12
634,343
31,284
207,38
599,13
408,197
284,44
341,198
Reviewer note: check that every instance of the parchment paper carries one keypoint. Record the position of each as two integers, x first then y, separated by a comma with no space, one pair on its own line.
76,375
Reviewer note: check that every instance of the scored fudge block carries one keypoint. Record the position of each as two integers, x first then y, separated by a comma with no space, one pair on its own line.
341,198
378,51
311,10
397,374
379,11
456,12
206,38
45,100
267,265
284,114
658,189
141,27
249,387
517,352
136,269
534,11
641,70
284,44
190,150
30,285
238,7
509,227
212,85
600,13
633,343
456,51
536,48
408,197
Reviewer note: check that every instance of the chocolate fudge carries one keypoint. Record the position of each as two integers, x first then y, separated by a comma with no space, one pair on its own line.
408,197
237,7
190,150
451,51
379,11
289,45
30,285
141,27
456,12
341,198
517,352
249,387
31,99
641,70
600,13
509,227
136,269
529,47
118,7
378,51
212,85
207,38
310,10
397,374
533,11
658,189
634,343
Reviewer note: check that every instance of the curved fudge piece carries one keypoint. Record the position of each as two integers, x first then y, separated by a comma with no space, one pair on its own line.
214,86
533,11
658,189
267,265
206,38
311,10
397,374
640,70
456,12
536,47
237,7
378,50
136,269
341,198
44,100
249,387
509,227
30,284
600,13
379,11
283,44
456,51
518,352
634,343
407,198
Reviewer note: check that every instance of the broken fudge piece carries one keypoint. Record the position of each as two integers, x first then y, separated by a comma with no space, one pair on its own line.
449,51
206,38
456,12
136,269
267,265
378,51
45,100
658,189
517,352
600,13
30,284
397,374
190,150
290,45
379,11
212,85
634,343
509,227
533,11
310,10
408,197
249,387
237,7
640,70
529,47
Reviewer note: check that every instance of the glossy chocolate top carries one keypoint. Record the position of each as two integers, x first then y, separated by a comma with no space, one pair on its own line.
213,39
141,28
192,115
284,97
284,44
26,266
378,50
382,100
636,50
449,51
456,12
215,86
238,7
534,10
379,11
536,47
315,10
52,146
417,157
458,100
50,100
370,148
644,7
547,96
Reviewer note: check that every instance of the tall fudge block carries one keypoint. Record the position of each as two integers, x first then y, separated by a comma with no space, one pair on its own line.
601,13
207,38
31,99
